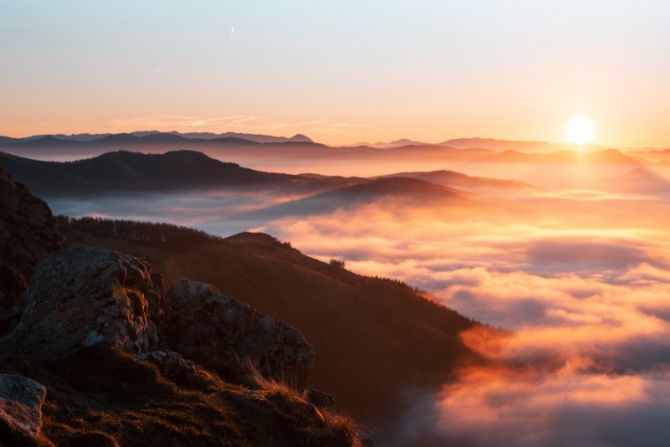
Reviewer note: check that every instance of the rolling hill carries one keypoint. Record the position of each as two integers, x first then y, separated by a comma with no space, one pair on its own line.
399,190
118,172
460,180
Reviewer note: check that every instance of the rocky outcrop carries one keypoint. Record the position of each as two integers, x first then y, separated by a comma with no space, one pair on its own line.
21,401
88,329
87,296
233,338
27,235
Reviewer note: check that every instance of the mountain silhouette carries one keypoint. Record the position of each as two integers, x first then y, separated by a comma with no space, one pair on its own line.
460,180
124,171
400,190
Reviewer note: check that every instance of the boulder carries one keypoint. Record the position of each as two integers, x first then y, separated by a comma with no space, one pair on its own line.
28,234
83,297
21,401
233,338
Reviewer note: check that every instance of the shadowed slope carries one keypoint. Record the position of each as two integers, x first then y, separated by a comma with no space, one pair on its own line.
408,191
117,172
375,339
91,339
460,180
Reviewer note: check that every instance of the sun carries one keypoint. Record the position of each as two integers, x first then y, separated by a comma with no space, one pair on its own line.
580,130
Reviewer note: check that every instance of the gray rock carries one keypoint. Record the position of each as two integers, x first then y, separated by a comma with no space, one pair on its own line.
21,402
233,338
83,297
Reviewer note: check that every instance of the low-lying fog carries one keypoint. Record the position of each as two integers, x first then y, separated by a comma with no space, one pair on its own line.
580,277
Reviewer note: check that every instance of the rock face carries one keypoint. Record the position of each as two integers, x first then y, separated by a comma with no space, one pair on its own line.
233,338
27,235
87,296
21,401
173,366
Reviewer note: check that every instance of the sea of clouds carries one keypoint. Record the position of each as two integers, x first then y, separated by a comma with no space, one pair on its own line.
578,283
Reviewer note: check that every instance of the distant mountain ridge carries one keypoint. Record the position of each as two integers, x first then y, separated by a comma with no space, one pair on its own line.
124,171
88,137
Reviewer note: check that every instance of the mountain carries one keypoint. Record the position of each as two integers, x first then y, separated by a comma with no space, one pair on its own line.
297,138
39,141
154,138
291,154
88,137
460,180
374,339
399,190
123,171
99,354
398,143
70,137
242,146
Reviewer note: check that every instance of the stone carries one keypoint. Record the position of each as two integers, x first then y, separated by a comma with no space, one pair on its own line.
21,402
84,297
233,338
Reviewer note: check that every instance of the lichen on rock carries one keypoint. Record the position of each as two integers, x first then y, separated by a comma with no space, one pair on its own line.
83,297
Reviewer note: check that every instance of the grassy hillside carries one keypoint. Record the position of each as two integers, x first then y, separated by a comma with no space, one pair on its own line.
375,339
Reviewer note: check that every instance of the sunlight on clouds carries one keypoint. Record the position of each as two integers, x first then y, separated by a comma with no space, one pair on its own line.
584,293
574,284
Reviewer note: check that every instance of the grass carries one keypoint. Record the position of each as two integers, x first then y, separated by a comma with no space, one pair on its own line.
107,399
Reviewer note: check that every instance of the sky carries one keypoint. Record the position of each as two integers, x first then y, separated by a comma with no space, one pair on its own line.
343,71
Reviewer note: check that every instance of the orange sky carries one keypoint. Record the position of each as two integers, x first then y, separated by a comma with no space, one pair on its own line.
342,73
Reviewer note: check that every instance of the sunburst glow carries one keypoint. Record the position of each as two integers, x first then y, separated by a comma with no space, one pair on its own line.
580,130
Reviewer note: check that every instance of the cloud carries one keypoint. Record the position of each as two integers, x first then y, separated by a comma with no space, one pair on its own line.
566,406
580,288
585,297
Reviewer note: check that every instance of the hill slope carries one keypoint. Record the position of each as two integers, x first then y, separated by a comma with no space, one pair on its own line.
407,191
92,358
375,339
460,180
